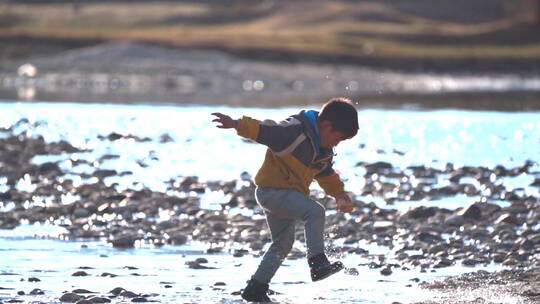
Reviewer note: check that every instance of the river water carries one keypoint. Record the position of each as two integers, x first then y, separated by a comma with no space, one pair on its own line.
401,137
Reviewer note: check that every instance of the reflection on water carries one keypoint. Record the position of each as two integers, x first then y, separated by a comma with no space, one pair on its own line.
194,147
167,277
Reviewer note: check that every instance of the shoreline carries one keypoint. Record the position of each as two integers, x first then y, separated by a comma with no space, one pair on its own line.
130,72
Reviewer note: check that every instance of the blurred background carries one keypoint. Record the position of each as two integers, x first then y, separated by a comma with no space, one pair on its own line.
482,54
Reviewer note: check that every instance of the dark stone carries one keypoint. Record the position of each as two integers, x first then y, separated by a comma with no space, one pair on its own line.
128,294
178,238
117,291
124,241
196,265
98,300
34,280
80,290
80,274
386,271
473,212
428,237
70,297
139,299
37,291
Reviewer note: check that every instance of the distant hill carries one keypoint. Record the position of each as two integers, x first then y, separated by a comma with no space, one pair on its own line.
408,34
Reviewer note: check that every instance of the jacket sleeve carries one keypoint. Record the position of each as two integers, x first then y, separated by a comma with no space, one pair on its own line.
330,181
278,136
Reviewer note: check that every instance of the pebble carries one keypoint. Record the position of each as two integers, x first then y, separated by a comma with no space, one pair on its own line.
37,291
128,294
97,299
386,271
80,274
139,299
80,290
70,297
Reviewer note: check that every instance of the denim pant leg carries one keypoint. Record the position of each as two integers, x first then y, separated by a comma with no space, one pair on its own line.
282,231
282,208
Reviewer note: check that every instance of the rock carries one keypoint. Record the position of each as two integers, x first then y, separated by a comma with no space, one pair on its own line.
256,245
473,212
455,220
428,237
81,212
444,262
377,167
201,260
49,168
422,212
37,291
117,291
98,300
352,271
80,290
510,262
178,238
196,265
508,219
386,271
128,294
70,297
80,274
101,173
124,240
220,284
34,279
139,299
165,138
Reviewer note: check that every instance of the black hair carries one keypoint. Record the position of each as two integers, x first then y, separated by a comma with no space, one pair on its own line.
341,112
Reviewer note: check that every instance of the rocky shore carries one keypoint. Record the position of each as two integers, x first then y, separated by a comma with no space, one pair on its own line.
422,238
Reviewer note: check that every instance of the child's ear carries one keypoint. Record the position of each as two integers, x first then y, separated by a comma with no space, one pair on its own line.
327,125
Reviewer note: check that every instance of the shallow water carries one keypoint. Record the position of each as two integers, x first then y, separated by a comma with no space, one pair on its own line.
148,270
401,137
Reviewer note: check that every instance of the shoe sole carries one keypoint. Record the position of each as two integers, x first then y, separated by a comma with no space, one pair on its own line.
329,274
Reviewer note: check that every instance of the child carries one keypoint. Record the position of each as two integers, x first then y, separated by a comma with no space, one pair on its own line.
299,150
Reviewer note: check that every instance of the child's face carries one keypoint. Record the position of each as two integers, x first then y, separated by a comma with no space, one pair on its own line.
330,137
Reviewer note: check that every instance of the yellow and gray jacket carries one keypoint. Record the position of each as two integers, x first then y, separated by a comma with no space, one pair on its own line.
293,158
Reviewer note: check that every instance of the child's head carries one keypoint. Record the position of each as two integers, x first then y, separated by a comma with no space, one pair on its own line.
338,120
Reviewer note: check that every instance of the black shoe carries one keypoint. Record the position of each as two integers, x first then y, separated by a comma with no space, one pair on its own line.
321,268
255,291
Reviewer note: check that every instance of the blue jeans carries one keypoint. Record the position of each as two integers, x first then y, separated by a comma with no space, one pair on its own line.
283,207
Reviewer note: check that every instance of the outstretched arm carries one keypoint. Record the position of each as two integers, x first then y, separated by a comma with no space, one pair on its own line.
226,122
278,136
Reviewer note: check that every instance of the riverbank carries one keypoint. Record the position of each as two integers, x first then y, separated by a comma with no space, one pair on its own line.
130,72
460,216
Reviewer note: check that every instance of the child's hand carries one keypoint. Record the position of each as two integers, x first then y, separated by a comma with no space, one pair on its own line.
344,202
226,121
